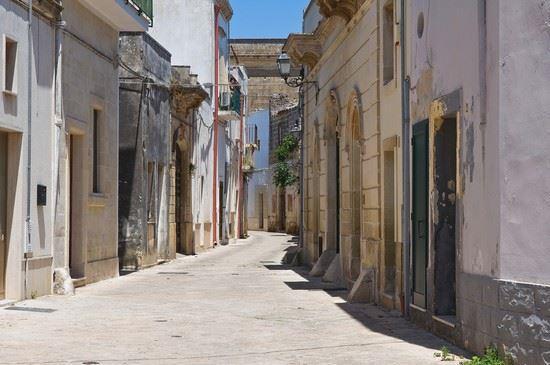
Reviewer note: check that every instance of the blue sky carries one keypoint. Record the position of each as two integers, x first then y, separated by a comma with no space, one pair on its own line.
266,18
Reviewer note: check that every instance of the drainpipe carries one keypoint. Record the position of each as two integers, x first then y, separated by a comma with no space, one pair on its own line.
27,249
215,230
406,213
302,167
241,193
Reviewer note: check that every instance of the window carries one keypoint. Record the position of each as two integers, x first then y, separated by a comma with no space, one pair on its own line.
10,62
95,152
388,39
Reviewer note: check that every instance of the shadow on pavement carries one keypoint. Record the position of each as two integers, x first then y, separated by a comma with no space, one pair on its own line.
373,317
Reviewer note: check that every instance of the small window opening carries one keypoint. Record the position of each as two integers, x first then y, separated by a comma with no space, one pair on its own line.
10,62
95,151
388,39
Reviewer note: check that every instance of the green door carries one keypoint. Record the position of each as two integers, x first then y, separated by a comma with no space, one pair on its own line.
420,211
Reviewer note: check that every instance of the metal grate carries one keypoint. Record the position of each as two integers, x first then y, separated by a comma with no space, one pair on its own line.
173,273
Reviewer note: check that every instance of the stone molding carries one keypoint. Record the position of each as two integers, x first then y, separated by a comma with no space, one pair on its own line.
345,9
304,48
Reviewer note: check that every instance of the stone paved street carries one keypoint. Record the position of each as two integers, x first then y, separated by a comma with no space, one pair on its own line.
233,305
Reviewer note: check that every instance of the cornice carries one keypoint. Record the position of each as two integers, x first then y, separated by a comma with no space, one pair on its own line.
304,49
345,9
225,9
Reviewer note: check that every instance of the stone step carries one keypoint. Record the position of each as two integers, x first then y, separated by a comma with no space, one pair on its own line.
79,282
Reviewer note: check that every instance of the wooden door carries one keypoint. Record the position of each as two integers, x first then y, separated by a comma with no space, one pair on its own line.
420,211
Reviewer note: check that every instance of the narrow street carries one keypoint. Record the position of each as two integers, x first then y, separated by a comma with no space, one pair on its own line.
235,304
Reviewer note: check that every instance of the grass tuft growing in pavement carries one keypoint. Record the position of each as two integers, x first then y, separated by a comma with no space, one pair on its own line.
491,357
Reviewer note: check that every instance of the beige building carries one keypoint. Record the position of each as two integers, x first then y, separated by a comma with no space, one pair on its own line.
86,203
352,167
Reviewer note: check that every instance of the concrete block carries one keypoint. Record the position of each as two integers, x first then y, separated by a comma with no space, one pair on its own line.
323,263
334,272
516,297
363,290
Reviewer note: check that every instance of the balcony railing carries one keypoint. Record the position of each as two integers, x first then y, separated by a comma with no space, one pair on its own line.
230,100
144,7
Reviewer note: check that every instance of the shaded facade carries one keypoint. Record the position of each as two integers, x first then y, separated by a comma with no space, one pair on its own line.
144,152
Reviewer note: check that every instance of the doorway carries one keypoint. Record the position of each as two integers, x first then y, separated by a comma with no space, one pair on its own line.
261,211
282,210
3,211
445,163
221,210
389,223
420,211
76,193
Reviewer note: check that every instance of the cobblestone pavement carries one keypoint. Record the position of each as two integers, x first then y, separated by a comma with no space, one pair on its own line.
232,305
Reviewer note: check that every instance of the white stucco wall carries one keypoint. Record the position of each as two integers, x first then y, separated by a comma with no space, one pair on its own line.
521,71
186,29
446,58
13,120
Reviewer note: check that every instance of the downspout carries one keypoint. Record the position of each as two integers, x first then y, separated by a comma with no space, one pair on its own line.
241,193
27,249
216,105
406,213
302,166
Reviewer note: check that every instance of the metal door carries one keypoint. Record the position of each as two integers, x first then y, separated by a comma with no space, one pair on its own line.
420,211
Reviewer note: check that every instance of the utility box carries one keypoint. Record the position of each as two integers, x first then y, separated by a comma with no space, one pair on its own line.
41,195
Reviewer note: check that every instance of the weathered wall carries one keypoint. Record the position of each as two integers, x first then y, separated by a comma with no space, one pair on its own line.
144,137
90,80
484,60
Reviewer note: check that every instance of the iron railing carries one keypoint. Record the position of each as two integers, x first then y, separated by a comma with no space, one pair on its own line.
144,7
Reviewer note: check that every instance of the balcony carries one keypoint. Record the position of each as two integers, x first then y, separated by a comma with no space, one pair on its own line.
230,104
123,15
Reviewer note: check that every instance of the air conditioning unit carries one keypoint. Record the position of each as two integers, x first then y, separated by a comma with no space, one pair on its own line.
225,99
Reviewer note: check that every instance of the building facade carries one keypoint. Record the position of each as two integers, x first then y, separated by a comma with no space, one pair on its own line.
86,229
411,200
479,275
209,59
284,202
352,138
144,151
29,66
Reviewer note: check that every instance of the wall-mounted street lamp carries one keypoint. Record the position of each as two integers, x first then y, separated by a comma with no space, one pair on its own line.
285,69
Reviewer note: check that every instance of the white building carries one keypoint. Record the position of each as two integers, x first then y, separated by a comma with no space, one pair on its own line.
180,25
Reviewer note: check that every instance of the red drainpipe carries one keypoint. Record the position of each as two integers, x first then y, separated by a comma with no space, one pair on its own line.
241,191
216,106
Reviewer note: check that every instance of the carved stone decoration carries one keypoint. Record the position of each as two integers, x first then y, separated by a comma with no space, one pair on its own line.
355,119
304,49
332,117
345,9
